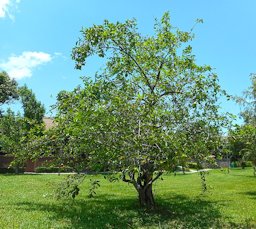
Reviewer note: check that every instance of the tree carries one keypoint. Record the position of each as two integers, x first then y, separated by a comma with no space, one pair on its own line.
12,129
248,102
17,130
136,117
242,142
33,109
248,136
8,88
243,138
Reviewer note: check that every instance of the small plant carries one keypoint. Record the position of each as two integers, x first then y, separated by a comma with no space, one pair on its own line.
70,186
111,178
95,184
203,181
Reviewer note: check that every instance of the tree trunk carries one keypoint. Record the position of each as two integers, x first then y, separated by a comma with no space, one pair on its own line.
146,197
143,184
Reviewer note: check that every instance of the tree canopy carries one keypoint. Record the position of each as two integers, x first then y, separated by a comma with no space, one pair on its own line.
16,130
33,109
242,140
151,107
248,102
8,88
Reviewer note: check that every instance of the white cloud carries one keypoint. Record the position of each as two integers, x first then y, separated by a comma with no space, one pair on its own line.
19,67
3,7
7,7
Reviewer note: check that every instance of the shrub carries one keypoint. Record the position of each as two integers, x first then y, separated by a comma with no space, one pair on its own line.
52,169
246,164
193,165
11,170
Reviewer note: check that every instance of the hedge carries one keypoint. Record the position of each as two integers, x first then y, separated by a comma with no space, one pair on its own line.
52,169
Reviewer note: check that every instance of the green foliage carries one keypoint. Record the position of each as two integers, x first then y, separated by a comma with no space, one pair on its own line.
193,165
248,102
60,146
111,177
247,164
33,109
204,186
11,170
94,185
8,88
17,130
13,135
242,141
52,169
149,110
148,102
70,186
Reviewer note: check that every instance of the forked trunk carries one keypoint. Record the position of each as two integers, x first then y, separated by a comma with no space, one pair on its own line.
146,197
143,184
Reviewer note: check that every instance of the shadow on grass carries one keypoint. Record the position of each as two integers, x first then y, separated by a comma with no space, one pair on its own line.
107,211
242,174
251,194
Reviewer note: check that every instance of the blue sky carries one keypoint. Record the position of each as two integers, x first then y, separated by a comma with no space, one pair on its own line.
37,37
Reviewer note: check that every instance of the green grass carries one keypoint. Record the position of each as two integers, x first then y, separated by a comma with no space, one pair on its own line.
27,201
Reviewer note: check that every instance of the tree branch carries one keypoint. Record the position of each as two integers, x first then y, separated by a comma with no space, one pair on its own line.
136,63
170,93
126,180
158,74
131,180
153,180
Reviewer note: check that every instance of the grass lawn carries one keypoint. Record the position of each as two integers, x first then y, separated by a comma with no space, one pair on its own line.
27,201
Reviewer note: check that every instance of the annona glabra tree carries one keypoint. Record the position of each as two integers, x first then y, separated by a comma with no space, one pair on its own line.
149,109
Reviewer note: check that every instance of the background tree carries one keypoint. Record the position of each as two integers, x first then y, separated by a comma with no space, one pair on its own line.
13,134
32,108
234,144
242,139
136,116
248,102
16,130
8,88
248,136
